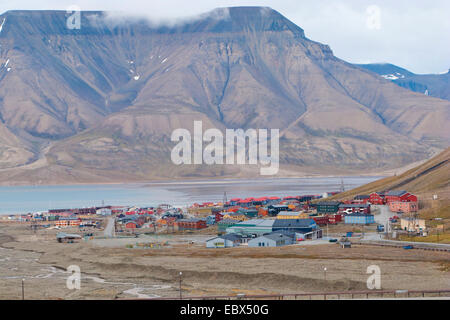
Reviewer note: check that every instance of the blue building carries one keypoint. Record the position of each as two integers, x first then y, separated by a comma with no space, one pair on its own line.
210,220
359,218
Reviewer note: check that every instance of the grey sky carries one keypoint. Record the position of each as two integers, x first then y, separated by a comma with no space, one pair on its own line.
410,33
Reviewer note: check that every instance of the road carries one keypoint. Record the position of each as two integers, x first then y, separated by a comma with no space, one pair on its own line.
384,215
109,229
381,218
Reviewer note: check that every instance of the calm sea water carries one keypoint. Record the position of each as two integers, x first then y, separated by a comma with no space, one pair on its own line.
23,199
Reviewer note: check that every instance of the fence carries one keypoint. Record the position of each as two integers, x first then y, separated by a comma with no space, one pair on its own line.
326,295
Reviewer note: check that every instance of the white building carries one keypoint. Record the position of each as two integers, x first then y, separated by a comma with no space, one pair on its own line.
104,212
224,241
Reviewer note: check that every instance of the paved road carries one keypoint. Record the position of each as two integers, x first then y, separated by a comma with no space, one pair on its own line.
381,218
384,215
415,244
109,229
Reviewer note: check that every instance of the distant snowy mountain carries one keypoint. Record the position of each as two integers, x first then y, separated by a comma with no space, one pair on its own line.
435,85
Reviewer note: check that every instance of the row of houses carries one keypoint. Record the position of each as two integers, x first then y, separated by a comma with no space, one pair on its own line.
337,207
399,201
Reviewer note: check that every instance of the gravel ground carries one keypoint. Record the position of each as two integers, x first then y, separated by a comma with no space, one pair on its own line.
109,270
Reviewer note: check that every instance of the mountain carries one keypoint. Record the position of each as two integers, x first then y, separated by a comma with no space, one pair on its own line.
99,103
435,85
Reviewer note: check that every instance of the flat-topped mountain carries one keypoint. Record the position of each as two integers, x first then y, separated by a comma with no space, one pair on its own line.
99,103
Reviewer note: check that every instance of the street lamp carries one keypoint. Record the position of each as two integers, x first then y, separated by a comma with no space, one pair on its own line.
23,289
181,273
325,273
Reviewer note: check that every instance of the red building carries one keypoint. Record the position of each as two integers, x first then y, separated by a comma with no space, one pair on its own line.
191,224
132,225
327,219
334,219
401,196
321,220
376,198
219,216
361,198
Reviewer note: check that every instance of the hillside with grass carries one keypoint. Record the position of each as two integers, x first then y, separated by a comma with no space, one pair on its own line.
431,177
426,180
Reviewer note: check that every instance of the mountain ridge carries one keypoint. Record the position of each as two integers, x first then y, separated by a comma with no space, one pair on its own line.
104,104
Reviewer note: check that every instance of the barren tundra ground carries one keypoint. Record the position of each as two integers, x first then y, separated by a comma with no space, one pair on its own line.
113,271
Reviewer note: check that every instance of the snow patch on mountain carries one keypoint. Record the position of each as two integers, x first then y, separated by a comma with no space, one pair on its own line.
1,26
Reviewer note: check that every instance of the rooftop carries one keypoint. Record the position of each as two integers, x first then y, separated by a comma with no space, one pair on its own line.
289,213
328,203
354,205
294,223
256,223
277,236
397,193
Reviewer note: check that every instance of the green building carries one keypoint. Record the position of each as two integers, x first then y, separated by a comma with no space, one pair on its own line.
224,224
252,227
327,207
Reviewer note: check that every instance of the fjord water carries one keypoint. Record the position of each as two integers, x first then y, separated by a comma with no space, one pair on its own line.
24,199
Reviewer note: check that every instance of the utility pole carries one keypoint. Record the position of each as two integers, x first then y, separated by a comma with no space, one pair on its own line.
23,289
224,199
181,273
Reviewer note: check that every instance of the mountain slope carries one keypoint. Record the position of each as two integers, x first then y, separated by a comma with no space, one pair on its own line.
104,100
431,177
435,85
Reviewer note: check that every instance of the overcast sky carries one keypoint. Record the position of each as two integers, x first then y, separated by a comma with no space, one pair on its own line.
413,34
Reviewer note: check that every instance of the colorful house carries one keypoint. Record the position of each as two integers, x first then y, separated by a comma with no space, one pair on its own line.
345,208
191,224
359,218
224,241
400,196
295,225
238,216
271,240
292,215
403,207
361,198
327,207
226,223
252,227
412,224
377,198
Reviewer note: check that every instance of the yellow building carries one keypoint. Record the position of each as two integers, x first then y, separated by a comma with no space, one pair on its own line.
235,216
200,211
292,215
411,224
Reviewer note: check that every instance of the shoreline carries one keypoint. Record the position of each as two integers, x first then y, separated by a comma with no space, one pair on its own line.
185,181
26,199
